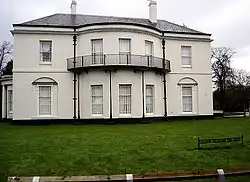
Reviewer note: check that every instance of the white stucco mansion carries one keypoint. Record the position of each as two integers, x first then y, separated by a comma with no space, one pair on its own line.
93,67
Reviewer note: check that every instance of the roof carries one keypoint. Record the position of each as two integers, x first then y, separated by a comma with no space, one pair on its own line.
78,20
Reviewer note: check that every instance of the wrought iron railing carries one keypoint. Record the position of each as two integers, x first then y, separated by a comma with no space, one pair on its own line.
124,59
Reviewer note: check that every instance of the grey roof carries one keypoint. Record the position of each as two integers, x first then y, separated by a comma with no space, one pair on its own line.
69,20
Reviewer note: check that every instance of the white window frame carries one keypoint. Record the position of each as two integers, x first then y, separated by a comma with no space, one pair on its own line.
153,98
131,86
149,57
41,52
122,54
185,56
192,88
10,101
51,101
96,55
91,87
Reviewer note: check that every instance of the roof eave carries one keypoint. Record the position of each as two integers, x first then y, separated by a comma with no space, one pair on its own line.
50,26
188,33
87,25
111,23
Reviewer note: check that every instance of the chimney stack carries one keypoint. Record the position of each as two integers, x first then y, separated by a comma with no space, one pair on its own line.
153,11
73,7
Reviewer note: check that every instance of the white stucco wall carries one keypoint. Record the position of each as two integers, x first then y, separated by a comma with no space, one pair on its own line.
111,43
202,94
27,69
26,100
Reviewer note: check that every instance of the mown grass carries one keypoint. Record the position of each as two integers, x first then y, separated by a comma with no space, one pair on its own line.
118,149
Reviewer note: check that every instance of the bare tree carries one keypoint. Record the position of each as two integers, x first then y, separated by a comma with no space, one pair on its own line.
5,54
242,81
222,71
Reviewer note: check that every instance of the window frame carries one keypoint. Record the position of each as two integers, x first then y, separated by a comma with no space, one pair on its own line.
131,86
149,57
41,61
96,54
102,96
128,54
51,100
192,99
153,98
185,56
10,101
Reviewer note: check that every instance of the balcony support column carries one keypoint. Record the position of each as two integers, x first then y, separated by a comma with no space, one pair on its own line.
143,94
164,74
74,80
110,95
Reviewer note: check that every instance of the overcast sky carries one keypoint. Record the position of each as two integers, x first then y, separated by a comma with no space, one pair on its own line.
227,20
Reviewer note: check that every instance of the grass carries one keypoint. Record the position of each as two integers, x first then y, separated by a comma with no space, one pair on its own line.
118,149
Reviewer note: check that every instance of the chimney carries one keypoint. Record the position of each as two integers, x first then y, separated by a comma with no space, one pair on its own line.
73,7
153,11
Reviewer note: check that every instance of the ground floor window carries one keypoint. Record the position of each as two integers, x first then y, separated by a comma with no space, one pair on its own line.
44,100
97,99
10,101
125,99
187,99
149,98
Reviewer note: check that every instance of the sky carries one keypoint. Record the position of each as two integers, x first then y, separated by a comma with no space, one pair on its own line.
227,20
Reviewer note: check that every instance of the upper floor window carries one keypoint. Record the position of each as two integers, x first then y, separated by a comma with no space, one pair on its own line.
124,51
186,56
149,52
45,51
97,51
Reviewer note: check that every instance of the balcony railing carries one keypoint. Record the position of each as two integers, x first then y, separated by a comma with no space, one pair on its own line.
108,60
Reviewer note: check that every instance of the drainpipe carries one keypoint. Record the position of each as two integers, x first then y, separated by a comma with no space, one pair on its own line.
164,74
79,113
74,80
110,95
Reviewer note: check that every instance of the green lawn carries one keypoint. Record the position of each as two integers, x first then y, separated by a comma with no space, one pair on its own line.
116,149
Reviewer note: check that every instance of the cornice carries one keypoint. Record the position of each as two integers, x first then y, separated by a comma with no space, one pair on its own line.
99,30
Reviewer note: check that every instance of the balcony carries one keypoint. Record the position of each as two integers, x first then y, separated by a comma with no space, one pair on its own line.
117,61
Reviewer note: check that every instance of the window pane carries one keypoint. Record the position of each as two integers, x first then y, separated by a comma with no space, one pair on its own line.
46,46
149,48
149,98
10,98
45,110
187,104
97,90
186,60
187,99
186,51
187,91
186,55
125,99
44,100
45,50
97,46
97,99
46,56
44,91
124,45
